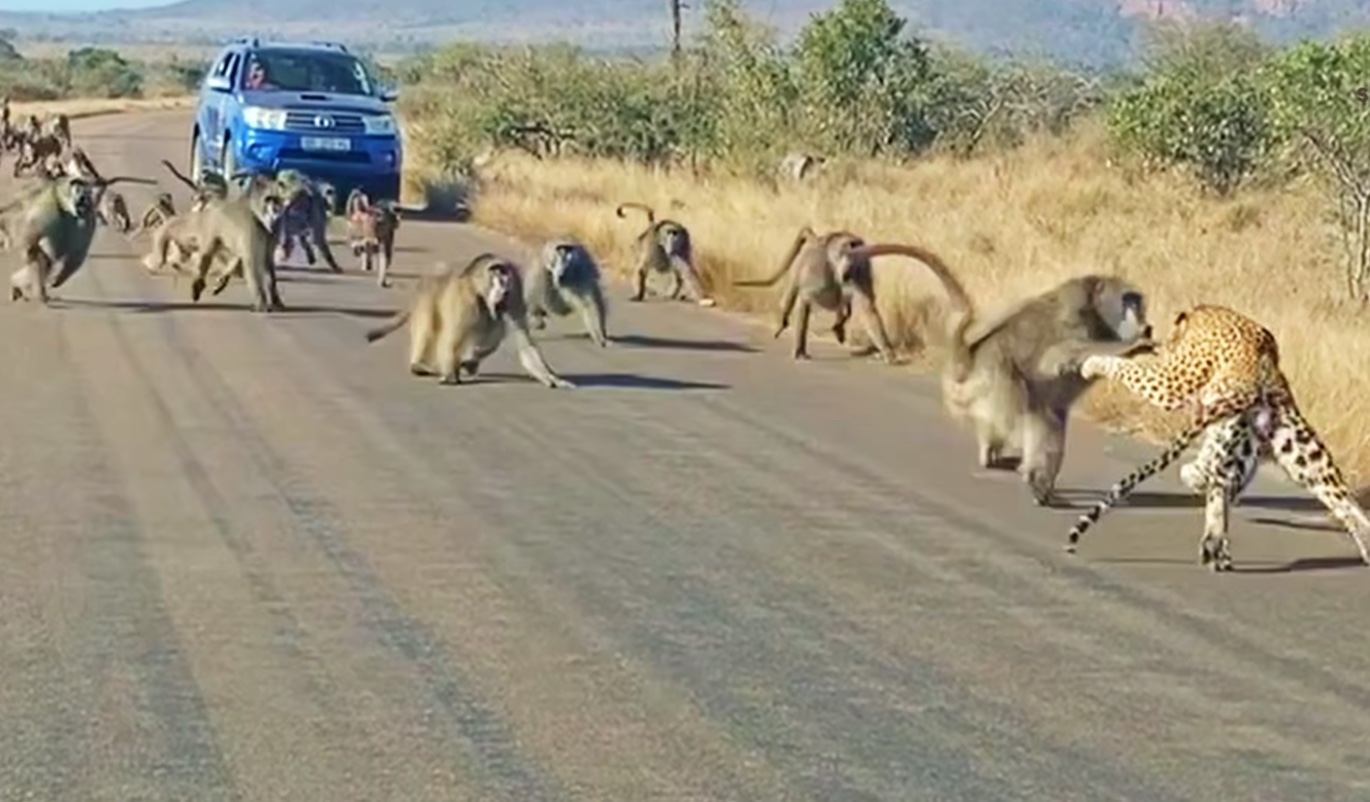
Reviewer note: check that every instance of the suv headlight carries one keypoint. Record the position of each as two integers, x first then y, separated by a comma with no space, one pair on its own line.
379,123
259,117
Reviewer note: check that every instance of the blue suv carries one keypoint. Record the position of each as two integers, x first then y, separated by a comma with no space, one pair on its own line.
308,106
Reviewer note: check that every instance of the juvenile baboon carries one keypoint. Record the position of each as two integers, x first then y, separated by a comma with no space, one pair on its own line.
54,227
113,212
664,246
822,271
567,280
228,229
60,129
1012,379
158,212
304,218
797,166
371,233
459,316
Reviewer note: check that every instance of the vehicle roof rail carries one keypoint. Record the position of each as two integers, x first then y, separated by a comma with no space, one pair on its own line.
331,45
245,40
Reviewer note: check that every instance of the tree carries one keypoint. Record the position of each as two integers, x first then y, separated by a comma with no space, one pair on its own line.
1200,106
1318,104
864,80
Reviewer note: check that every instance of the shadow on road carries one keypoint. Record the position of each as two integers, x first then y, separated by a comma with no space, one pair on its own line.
429,214
1153,500
1306,564
644,341
149,307
629,381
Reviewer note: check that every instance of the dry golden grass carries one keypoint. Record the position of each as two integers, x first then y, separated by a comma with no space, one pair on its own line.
1012,225
77,108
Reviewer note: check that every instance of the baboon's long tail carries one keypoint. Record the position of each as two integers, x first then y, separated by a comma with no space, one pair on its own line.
651,215
391,325
963,311
179,175
805,234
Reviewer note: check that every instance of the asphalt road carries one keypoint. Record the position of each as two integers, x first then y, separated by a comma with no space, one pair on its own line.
249,557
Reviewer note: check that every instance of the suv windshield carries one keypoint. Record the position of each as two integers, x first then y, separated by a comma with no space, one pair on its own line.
306,71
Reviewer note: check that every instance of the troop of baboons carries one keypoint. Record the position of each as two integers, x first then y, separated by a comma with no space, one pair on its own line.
1013,376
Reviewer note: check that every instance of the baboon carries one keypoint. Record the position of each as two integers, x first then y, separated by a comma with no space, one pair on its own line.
459,316
37,148
796,166
305,217
566,280
371,233
822,271
54,227
1012,379
228,229
60,129
664,247
158,212
78,163
113,212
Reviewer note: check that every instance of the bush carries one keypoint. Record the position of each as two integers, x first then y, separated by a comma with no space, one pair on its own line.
856,83
1200,108
1215,128
91,72
1318,104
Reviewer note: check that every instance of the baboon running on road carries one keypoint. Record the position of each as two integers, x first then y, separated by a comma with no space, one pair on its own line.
567,280
823,271
664,246
459,316
1012,379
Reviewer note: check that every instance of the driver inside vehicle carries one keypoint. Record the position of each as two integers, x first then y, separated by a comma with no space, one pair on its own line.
256,75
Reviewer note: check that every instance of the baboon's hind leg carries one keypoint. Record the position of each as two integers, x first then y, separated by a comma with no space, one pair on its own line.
864,308
801,329
1044,445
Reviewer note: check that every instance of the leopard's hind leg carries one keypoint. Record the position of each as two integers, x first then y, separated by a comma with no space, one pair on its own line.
1224,467
1217,454
1306,460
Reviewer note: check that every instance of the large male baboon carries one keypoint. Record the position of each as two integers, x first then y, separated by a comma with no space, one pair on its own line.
458,316
1012,378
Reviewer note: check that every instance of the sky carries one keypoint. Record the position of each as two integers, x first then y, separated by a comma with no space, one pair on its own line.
77,5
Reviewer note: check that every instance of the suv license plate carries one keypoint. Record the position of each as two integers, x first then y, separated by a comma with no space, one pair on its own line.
334,143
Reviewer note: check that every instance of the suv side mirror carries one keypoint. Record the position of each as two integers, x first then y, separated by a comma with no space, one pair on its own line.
389,94
219,83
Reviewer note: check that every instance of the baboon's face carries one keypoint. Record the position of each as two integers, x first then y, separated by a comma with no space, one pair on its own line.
78,198
329,194
840,251
272,209
1122,308
675,240
500,286
562,257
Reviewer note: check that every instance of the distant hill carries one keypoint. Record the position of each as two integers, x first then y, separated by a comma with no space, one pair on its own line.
1095,32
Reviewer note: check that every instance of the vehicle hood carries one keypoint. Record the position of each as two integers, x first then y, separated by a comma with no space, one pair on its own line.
314,101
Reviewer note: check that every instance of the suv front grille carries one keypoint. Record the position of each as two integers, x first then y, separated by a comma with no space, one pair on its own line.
308,121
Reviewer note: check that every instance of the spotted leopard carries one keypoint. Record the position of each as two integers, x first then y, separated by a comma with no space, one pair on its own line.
1225,366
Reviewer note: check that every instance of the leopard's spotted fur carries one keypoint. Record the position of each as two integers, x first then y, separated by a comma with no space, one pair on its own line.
1227,367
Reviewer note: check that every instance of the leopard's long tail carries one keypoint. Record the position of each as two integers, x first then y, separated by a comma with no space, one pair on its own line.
1124,487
